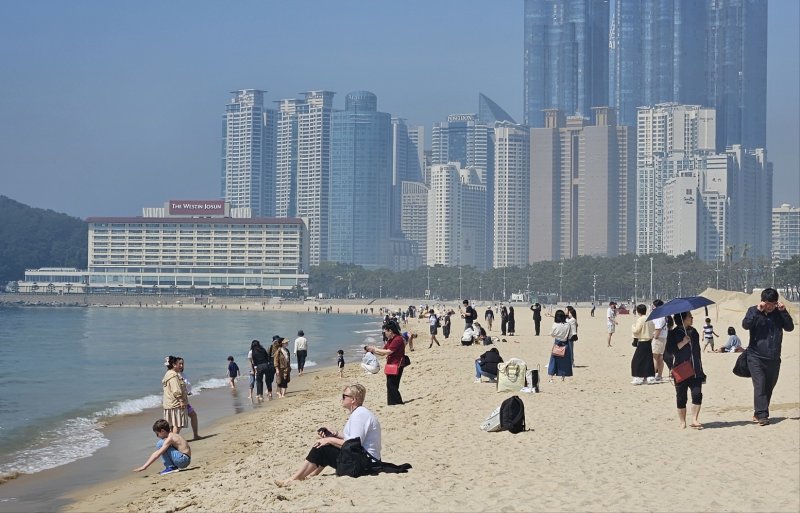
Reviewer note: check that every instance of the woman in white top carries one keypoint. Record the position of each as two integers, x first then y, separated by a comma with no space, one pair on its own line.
362,423
561,332
300,351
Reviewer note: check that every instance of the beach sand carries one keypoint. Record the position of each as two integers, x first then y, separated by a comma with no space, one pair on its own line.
594,442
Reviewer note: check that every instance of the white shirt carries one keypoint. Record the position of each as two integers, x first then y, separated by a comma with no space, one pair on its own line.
611,314
432,320
560,331
363,424
660,324
300,344
370,360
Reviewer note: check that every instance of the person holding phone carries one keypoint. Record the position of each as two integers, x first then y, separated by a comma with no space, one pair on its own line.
361,423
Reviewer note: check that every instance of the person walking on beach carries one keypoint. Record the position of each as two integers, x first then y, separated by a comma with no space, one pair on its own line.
766,323
708,335
173,449
537,317
394,350
659,343
683,342
512,323
340,362
265,369
591,312
233,372
560,365
175,397
488,316
469,314
611,320
433,321
446,325
300,351
642,367
180,366
283,368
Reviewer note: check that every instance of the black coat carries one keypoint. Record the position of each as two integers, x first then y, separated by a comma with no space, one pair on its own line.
489,361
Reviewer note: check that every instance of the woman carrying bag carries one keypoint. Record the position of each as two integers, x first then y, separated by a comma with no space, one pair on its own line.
395,351
683,343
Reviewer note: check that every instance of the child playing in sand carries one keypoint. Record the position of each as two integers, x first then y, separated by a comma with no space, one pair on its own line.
708,335
233,371
172,447
340,362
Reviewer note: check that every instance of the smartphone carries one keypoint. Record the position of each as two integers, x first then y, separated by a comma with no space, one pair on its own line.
324,431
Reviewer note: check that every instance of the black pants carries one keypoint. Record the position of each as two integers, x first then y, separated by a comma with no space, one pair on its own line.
264,374
325,456
393,388
503,325
301,359
537,324
765,377
681,389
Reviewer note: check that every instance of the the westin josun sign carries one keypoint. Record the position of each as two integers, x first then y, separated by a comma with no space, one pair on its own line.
197,207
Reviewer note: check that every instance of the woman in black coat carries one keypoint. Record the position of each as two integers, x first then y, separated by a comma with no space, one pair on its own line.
503,320
512,323
683,342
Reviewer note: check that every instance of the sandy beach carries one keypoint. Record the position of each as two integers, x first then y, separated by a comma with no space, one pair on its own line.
594,442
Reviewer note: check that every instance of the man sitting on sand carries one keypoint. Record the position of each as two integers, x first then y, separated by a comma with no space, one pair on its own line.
172,447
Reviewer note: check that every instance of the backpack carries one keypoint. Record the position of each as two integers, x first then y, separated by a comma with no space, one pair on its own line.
512,415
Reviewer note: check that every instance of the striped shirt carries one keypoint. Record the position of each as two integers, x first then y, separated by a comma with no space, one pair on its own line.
708,331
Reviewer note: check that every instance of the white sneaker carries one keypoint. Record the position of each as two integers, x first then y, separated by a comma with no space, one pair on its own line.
477,380
651,380
637,381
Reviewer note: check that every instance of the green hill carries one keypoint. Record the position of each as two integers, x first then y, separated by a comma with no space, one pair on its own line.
34,237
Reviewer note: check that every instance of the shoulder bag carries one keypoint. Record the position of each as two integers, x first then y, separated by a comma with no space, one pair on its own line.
684,370
558,350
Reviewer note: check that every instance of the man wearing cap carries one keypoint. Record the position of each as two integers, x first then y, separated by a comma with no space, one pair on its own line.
611,320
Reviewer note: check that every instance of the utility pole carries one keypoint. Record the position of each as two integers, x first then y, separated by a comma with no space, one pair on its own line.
560,279
429,283
529,288
651,279
635,278
480,288
380,286
594,288
680,290
717,271
460,294
504,284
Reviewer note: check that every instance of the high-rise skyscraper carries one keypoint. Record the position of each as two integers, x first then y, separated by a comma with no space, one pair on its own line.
511,203
360,183
407,162
414,216
785,232
581,180
657,54
566,57
248,153
736,74
669,138
304,139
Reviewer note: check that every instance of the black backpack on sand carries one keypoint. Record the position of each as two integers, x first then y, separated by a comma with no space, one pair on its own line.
512,415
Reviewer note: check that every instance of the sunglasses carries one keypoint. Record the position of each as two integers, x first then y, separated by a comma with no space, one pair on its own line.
345,395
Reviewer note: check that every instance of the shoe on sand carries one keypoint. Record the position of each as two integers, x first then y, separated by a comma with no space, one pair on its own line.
169,470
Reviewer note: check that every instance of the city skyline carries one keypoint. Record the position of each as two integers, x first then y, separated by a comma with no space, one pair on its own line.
107,108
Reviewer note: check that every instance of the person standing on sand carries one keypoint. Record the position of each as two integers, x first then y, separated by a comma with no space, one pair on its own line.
659,343
766,323
488,316
175,397
301,351
642,368
537,317
512,323
283,367
180,365
560,365
446,325
683,342
503,320
572,320
394,350
433,321
611,320
264,367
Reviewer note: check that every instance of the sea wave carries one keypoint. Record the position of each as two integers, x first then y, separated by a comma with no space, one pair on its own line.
70,441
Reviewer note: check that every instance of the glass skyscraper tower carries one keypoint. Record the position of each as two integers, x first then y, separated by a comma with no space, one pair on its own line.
360,183
566,57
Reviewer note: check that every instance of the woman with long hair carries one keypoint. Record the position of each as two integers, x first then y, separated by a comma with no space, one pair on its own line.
572,320
175,397
683,342
180,365
512,323
264,368
394,350
503,320
560,365
643,369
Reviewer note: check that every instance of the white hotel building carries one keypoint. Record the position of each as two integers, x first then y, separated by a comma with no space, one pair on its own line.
191,246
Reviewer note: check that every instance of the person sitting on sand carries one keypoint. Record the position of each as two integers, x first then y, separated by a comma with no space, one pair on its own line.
733,345
486,365
469,336
172,447
369,362
362,423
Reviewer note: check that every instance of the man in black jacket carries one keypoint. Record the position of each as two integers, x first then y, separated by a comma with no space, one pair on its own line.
537,317
486,365
766,323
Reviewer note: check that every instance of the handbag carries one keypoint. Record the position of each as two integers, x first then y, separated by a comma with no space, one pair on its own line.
684,370
406,360
559,351
574,338
635,341
740,368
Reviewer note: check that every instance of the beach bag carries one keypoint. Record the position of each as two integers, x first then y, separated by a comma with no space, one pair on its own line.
512,415
492,422
559,351
511,375
740,368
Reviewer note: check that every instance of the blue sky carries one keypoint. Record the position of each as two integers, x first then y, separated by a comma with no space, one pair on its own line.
106,107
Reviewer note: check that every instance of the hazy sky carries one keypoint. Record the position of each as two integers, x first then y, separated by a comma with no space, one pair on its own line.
106,107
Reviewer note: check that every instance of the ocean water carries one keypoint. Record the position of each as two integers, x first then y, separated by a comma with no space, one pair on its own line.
66,372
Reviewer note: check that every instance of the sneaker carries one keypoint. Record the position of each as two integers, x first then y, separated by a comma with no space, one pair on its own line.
169,470
637,381
651,380
477,380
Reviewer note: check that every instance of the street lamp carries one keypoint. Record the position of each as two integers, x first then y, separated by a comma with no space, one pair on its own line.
480,288
504,284
651,278
635,278
594,289
560,279
460,294
529,288
380,286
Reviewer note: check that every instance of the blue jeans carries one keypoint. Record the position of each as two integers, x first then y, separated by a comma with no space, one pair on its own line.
172,457
481,373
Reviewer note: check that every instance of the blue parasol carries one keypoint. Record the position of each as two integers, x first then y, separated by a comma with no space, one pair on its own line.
679,305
